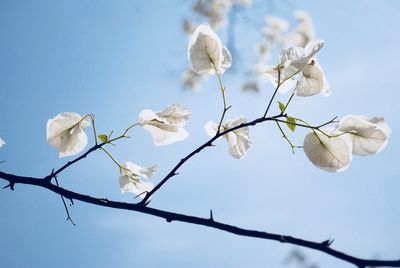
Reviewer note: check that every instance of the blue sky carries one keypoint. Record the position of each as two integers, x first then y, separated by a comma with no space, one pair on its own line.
117,58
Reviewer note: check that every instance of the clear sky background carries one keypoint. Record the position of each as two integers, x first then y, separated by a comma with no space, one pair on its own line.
116,58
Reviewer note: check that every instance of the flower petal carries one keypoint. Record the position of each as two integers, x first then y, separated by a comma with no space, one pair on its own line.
205,50
166,127
131,178
211,128
311,82
369,136
175,114
2,142
137,188
238,140
226,60
330,154
163,137
66,132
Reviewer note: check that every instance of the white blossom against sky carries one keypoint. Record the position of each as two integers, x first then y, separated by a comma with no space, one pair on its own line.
117,58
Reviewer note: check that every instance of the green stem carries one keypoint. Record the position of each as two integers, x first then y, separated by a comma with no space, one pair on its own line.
112,157
222,88
287,103
286,137
92,117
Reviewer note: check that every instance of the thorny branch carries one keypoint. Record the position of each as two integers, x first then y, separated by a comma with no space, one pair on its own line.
142,207
323,246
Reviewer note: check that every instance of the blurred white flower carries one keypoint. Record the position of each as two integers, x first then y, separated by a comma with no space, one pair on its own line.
192,80
238,140
332,154
206,53
2,142
166,126
369,135
303,33
131,179
66,132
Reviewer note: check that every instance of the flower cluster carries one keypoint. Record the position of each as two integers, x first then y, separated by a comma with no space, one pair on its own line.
302,61
66,132
274,34
332,149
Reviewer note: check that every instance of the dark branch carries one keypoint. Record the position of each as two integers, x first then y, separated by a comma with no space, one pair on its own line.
58,171
209,143
209,222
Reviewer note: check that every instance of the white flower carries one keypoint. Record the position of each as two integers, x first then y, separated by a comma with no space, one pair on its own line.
312,78
303,33
166,127
206,52
2,142
131,178
332,154
238,140
66,132
369,136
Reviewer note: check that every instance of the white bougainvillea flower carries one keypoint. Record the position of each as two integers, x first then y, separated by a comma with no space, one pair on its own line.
166,126
297,55
131,179
206,53
238,140
369,135
66,132
303,33
311,78
332,154
2,142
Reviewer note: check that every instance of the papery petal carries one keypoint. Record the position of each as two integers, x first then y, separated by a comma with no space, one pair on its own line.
147,115
226,59
66,132
311,82
239,140
131,178
382,125
211,128
175,114
330,154
299,55
163,137
148,172
369,136
137,188
131,169
74,143
205,50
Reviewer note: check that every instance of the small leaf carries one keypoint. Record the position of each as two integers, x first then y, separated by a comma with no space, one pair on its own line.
290,122
281,106
103,137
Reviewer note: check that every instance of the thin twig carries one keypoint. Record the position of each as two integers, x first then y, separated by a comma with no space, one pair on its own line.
65,205
286,137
